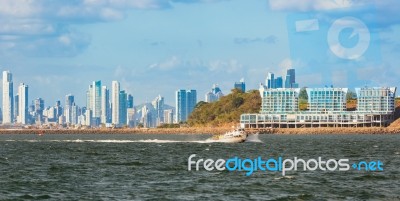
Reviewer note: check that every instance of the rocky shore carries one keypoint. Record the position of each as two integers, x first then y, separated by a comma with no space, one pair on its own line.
206,130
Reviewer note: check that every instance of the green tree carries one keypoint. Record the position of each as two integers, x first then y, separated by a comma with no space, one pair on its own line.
303,94
350,95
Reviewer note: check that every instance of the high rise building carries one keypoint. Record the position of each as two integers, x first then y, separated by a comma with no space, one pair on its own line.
8,98
146,117
96,99
115,102
69,101
214,95
130,101
88,117
158,105
168,116
38,110
74,114
292,74
210,97
16,109
279,82
122,108
23,104
59,110
131,117
89,97
241,85
270,82
105,105
290,81
185,103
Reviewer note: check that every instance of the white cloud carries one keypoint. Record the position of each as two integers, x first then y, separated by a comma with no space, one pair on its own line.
46,23
229,66
308,5
168,64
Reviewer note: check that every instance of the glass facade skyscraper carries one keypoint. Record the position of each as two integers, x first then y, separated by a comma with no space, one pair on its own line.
96,99
186,101
270,82
123,115
241,85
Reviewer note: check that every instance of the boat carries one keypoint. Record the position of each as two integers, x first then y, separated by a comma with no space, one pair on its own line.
235,136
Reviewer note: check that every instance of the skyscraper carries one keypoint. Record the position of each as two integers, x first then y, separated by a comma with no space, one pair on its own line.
130,101
38,109
74,114
270,82
279,82
168,116
16,110
115,102
191,102
214,95
185,102
23,104
241,85
123,115
292,74
158,105
96,99
290,81
69,101
8,98
105,105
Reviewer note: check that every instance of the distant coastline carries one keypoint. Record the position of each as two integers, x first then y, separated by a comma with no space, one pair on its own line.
207,130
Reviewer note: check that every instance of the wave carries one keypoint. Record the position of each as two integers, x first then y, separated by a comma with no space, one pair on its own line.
113,141
253,138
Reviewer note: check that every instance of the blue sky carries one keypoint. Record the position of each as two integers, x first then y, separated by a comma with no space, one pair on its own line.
158,46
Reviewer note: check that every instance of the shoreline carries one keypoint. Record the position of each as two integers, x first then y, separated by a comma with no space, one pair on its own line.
208,130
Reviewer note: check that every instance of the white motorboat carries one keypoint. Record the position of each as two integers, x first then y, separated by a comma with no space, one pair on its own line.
235,136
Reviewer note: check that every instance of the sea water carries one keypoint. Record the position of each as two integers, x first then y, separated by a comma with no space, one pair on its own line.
141,167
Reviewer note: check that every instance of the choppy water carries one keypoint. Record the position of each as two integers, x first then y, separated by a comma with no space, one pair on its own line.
140,167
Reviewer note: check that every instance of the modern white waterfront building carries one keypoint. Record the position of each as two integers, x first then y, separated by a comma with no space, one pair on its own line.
327,108
8,98
326,99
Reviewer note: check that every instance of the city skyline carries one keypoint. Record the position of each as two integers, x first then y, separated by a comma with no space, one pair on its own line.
63,45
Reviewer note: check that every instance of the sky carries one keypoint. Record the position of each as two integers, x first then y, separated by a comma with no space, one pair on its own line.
159,46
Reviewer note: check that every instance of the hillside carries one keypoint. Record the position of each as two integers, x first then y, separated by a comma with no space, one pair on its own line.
227,110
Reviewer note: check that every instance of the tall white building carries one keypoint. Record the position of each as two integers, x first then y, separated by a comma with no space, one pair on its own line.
8,98
105,105
115,89
158,105
168,116
23,104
